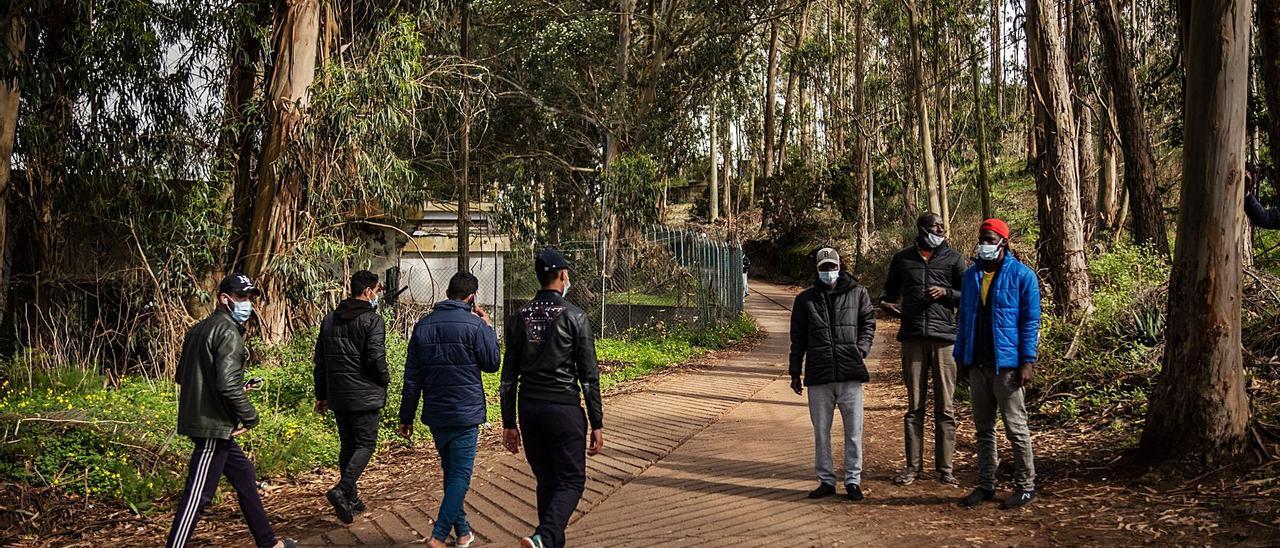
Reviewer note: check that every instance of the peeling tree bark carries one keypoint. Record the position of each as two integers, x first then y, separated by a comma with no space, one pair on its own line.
1061,243
276,216
1139,162
1199,407
13,33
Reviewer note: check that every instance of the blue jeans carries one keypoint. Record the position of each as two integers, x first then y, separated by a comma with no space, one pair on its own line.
457,448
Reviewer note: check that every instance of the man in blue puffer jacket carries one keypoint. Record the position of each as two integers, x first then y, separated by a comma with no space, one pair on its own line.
996,339
448,350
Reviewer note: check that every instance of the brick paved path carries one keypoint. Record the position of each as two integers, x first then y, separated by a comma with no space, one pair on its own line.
710,457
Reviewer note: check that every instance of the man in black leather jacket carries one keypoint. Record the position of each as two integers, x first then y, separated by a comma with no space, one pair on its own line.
351,379
550,354
213,409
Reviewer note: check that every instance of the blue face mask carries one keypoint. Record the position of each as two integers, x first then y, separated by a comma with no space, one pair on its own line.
988,252
240,311
828,277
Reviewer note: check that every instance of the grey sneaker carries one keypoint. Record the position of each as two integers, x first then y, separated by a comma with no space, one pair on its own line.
1019,499
948,479
907,477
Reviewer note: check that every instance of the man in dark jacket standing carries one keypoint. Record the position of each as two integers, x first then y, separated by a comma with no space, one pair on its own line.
550,366
449,349
832,327
213,409
926,277
351,379
996,347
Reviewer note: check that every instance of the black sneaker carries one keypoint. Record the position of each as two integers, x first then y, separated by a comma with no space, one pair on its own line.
1019,499
823,490
341,506
289,543
978,496
854,491
357,507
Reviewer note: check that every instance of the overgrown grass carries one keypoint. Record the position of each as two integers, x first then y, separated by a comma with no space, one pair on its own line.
74,431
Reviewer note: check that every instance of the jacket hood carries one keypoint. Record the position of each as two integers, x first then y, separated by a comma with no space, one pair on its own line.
351,309
844,283
452,304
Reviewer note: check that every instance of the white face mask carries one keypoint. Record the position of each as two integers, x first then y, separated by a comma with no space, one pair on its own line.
567,285
828,277
988,252
933,240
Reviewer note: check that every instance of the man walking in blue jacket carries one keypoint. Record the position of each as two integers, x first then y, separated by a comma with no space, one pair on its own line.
999,329
448,350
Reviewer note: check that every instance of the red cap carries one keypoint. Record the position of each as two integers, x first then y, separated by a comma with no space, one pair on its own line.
997,226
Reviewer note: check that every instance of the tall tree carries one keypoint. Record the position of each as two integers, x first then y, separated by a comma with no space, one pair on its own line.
713,193
1061,243
860,153
277,215
922,109
1078,57
997,56
1269,37
980,142
793,74
770,98
13,34
1139,162
1199,406
464,177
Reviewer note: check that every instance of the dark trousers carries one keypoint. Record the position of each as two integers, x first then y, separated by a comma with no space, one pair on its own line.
555,443
358,433
212,459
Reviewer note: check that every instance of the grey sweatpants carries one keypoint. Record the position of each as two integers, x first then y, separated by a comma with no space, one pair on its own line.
922,360
823,400
991,391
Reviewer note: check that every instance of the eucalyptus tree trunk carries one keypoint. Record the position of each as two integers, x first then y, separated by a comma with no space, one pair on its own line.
980,112
793,74
1061,244
1139,162
1078,54
860,154
997,56
1269,38
713,195
464,179
922,110
770,100
13,33
1199,407
276,221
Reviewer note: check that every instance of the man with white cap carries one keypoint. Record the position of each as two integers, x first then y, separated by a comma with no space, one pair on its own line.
832,327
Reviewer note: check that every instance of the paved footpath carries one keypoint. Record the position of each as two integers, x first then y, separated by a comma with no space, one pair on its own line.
715,456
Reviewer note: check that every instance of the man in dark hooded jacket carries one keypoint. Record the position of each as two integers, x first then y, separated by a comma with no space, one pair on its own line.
351,379
832,327
926,277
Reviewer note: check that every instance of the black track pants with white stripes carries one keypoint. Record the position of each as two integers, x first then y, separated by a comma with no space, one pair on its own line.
211,459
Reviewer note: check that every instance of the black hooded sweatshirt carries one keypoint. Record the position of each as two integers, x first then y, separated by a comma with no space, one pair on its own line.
351,358
831,332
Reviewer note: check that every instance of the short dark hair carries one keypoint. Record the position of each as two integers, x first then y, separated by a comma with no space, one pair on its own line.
545,278
361,281
461,285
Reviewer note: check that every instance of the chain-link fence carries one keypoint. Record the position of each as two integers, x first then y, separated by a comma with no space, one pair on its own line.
658,277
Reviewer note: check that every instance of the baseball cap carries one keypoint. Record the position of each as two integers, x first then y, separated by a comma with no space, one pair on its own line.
550,260
238,284
828,255
997,226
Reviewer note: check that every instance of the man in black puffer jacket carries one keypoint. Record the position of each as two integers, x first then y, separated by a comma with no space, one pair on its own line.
926,276
832,327
351,379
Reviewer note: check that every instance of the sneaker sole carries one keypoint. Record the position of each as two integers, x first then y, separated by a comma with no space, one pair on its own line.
527,543
902,483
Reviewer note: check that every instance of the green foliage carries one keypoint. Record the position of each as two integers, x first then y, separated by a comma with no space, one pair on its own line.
633,192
